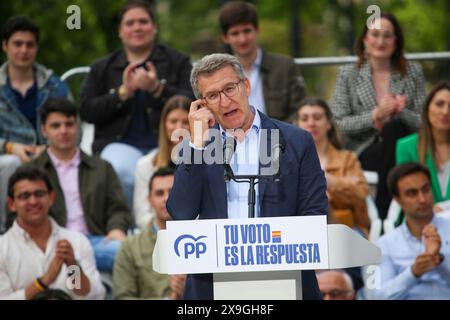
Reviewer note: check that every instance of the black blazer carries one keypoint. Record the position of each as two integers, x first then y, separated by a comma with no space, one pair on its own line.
100,103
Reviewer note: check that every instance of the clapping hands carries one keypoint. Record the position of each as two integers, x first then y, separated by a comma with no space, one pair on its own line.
390,106
137,77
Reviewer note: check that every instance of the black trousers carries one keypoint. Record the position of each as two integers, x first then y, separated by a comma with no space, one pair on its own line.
380,157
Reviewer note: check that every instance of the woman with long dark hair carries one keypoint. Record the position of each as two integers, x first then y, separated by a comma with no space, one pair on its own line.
378,99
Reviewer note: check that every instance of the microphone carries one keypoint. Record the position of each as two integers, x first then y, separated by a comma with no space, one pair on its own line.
229,148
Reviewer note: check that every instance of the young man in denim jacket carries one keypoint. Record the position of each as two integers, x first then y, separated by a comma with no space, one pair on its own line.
24,87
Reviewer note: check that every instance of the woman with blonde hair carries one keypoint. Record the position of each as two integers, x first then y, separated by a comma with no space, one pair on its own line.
174,116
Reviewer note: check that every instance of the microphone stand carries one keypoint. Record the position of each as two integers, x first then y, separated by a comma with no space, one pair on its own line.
252,180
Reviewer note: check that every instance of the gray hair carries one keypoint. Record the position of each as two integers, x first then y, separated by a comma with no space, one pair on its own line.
210,64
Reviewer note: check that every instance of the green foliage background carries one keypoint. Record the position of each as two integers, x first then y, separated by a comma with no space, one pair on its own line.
327,28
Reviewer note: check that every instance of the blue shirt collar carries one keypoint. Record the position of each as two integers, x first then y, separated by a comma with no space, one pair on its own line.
408,233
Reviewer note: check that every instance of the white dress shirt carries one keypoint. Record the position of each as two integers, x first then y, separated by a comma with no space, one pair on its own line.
254,76
22,261
245,160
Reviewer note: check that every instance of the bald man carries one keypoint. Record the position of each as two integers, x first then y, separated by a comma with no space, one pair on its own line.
335,285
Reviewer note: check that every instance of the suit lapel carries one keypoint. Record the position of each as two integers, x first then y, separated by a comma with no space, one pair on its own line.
219,195
264,74
396,83
364,87
216,187
265,125
285,158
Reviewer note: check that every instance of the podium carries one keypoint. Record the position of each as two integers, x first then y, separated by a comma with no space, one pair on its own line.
259,259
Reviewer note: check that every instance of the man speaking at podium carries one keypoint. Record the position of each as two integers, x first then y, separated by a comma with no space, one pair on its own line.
200,190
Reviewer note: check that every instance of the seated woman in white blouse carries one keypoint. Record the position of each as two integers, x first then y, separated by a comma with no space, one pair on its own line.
173,116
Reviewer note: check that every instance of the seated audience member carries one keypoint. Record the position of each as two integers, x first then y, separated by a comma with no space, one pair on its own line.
335,285
276,82
174,116
133,275
347,188
36,253
8,164
126,90
89,197
431,146
24,88
378,100
415,263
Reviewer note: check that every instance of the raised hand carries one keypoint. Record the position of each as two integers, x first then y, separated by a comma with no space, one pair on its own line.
384,111
431,239
64,251
128,79
424,263
200,120
400,103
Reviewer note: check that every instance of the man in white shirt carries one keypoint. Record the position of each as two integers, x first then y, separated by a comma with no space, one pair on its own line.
35,253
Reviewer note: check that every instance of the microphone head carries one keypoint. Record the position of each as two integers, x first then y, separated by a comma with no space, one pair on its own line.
229,148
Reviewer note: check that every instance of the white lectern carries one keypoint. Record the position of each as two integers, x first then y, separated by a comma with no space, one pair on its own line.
259,259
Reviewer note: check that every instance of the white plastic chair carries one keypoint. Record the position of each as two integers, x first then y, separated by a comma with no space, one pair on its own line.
372,181
371,177
87,137
375,221
392,216
87,129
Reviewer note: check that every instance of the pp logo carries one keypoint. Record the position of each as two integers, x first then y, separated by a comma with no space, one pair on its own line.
190,246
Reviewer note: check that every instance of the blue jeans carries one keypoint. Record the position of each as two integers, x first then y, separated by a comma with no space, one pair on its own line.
123,158
105,252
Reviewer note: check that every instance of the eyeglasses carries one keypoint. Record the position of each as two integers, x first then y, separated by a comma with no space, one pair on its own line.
38,194
335,293
229,91
384,35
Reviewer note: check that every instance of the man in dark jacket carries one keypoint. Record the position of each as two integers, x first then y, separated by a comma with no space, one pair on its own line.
277,85
126,90
89,197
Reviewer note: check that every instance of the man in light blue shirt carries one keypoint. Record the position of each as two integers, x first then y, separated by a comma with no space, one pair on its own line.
415,256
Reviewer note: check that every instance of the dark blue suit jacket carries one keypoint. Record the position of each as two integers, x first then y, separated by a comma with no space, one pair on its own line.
200,190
